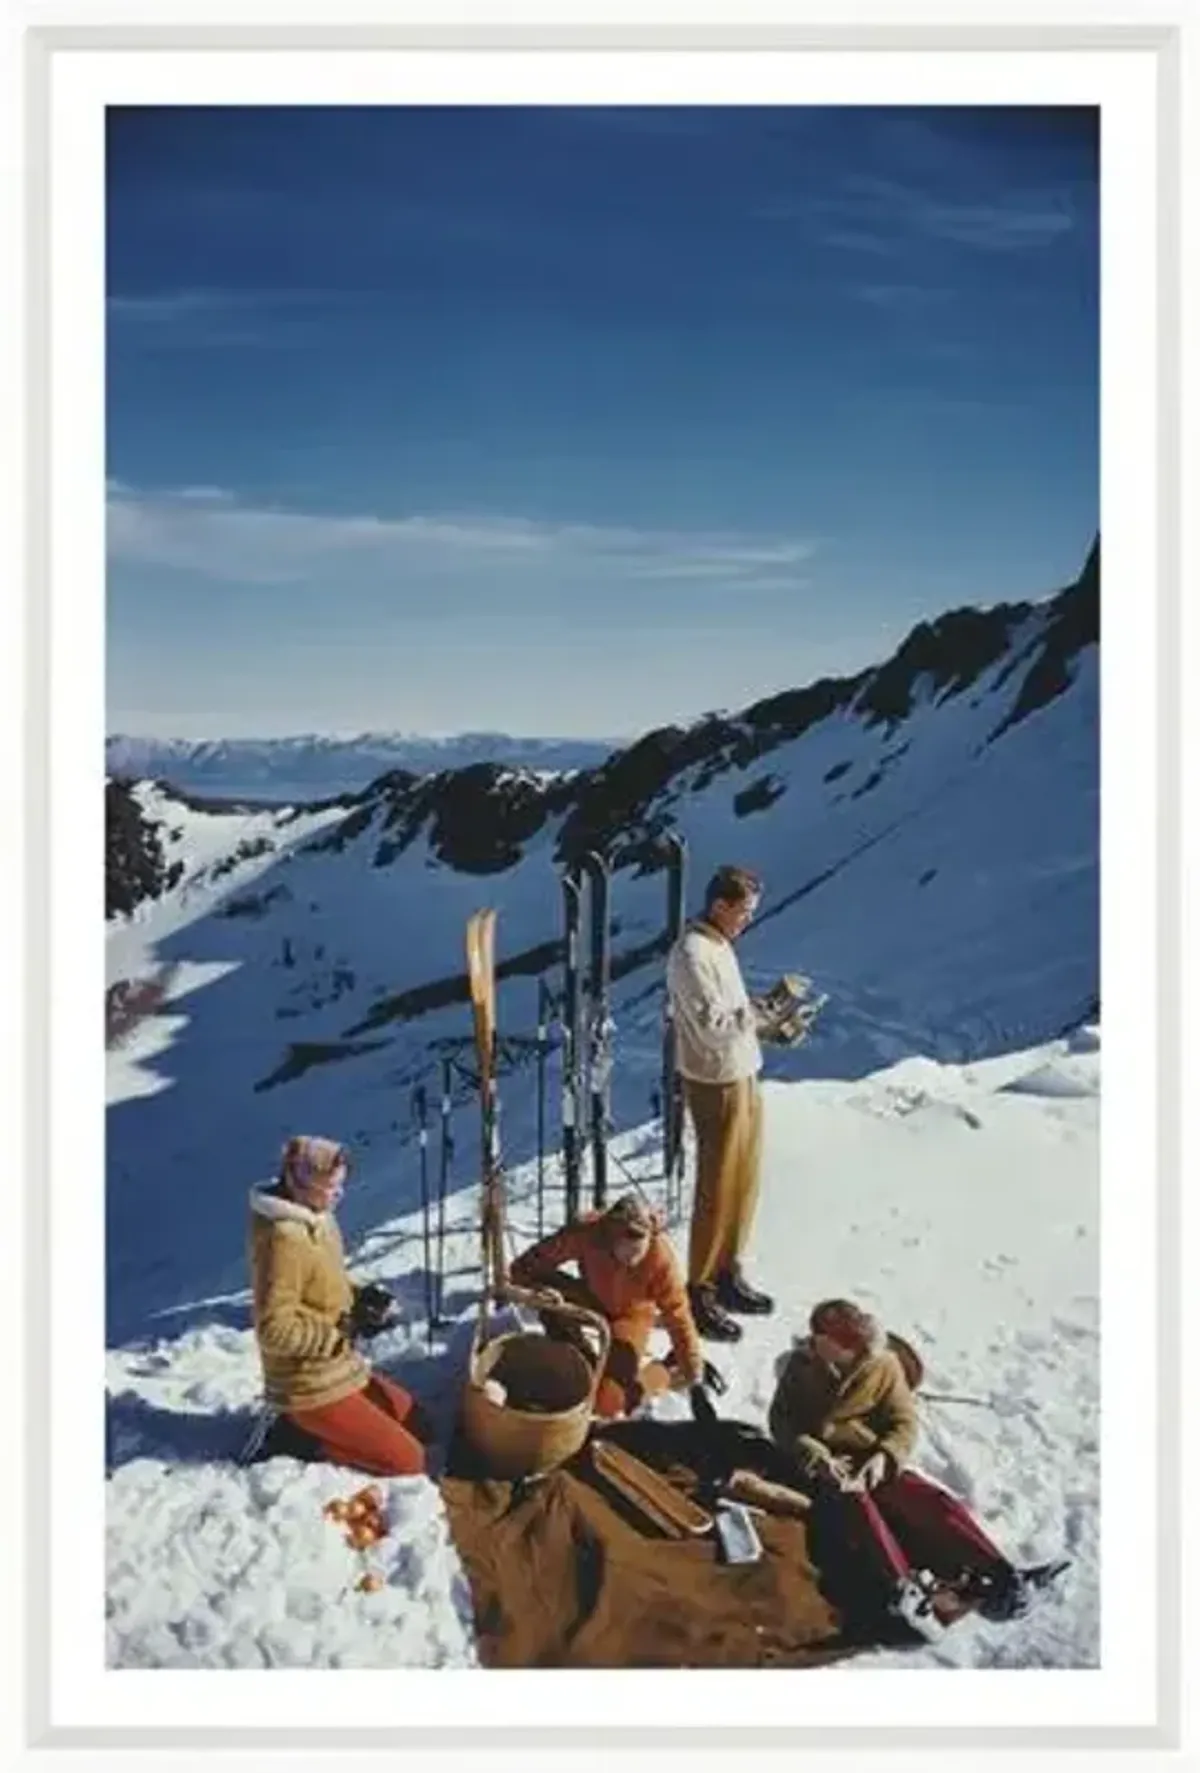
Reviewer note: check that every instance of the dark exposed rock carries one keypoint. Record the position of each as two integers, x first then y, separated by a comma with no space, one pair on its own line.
872,781
254,904
303,1055
135,868
760,795
1074,625
787,715
950,653
245,851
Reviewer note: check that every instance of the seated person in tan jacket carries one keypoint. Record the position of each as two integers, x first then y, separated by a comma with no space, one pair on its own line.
307,1314
845,1418
629,1274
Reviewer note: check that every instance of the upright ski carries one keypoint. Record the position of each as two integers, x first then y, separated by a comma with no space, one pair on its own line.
481,978
572,1078
672,1083
599,1048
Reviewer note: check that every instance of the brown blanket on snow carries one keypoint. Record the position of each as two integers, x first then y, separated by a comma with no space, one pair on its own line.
564,1574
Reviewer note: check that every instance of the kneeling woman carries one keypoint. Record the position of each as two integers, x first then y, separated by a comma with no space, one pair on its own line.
630,1275
305,1319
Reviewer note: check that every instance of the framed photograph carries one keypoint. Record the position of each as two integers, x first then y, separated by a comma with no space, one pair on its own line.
583,546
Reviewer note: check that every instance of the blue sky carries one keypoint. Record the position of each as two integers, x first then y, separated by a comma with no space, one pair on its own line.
578,421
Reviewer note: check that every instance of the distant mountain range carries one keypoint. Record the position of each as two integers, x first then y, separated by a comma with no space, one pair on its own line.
314,766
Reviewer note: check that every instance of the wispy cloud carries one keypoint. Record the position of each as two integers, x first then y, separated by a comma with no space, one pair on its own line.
868,214
1009,222
201,319
209,531
910,298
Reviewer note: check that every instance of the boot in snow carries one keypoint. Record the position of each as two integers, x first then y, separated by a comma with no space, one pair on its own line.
914,1600
712,1322
736,1294
1009,1593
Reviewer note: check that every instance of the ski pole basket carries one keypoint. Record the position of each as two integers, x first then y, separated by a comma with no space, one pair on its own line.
549,1390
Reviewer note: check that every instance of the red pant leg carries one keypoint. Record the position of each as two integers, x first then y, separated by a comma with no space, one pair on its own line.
868,1536
936,1529
366,1430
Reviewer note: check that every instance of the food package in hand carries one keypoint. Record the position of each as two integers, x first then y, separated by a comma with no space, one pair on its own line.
788,1010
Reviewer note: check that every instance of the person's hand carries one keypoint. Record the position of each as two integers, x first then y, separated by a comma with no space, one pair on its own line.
814,1457
874,1471
551,1295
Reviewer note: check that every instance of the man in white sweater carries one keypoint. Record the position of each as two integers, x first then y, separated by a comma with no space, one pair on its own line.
718,1056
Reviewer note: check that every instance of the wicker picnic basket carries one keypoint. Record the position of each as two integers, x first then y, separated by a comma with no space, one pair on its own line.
550,1390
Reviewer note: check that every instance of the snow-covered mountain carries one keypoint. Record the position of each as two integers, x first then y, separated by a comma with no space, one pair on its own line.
315,766
928,834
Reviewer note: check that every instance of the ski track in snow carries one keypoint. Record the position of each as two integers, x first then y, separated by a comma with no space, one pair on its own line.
960,1202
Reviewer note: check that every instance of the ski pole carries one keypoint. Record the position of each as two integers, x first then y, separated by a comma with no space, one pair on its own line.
672,1093
950,1397
600,1027
419,1115
543,998
572,1081
446,1154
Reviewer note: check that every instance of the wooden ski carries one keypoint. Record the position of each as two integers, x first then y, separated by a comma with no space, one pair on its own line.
481,979
481,982
649,1492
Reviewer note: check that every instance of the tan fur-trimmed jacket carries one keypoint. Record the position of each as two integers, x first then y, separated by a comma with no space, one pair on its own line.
301,1289
869,1410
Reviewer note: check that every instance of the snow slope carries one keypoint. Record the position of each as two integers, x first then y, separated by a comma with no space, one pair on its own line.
951,910
958,1201
932,1148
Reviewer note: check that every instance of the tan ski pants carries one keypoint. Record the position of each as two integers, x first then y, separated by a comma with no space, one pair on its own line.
728,1122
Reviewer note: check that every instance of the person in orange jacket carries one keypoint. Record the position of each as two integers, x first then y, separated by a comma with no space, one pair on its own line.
630,1275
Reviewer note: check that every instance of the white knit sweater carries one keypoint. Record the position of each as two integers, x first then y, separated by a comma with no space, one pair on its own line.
716,1037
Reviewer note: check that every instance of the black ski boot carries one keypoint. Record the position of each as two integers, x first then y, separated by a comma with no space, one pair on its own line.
713,1324
736,1294
1007,1594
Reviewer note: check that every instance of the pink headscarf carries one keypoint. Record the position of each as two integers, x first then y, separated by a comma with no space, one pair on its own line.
307,1159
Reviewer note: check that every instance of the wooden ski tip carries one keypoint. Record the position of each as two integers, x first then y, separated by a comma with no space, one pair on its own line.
674,1514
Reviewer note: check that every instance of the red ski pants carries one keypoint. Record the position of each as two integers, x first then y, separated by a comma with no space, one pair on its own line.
911,1524
373,1430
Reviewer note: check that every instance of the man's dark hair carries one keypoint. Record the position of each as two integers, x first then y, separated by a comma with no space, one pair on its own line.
734,885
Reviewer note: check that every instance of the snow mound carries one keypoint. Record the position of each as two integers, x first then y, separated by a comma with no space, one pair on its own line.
217,1567
1057,1077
